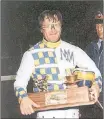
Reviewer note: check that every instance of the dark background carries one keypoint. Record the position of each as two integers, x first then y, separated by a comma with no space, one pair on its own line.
20,27
19,30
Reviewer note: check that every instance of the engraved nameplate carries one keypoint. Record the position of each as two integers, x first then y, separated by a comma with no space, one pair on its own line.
54,98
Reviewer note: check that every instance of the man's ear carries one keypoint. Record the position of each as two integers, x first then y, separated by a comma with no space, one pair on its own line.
96,26
41,30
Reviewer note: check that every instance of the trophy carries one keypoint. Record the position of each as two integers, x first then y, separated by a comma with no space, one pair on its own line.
76,92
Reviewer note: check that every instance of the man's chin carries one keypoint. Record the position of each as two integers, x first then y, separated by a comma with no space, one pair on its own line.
101,38
54,41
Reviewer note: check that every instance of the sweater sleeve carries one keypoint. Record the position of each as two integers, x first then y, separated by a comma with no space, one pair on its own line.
84,61
23,75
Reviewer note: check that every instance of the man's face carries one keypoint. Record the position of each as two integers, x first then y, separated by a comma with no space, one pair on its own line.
51,29
99,29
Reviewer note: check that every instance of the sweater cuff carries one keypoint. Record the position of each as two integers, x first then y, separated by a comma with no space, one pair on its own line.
98,81
20,94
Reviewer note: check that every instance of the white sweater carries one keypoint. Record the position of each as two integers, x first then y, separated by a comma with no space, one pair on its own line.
67,55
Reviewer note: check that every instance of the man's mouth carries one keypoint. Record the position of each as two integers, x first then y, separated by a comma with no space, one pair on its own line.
53,34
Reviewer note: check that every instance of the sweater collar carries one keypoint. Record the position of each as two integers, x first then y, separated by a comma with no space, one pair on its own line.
51,44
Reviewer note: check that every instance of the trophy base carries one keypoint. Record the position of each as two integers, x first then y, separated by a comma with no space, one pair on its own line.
71,97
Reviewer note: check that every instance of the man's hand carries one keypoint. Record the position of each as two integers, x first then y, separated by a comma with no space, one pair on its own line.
94,92
26,106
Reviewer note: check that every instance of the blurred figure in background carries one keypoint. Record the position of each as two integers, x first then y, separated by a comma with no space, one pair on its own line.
95,48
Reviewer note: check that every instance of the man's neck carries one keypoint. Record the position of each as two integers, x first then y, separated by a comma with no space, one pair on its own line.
51,44
100,39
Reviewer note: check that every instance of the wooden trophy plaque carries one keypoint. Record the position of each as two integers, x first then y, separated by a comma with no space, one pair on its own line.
73,96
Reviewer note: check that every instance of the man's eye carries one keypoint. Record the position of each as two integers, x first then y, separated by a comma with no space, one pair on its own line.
45,26
56,25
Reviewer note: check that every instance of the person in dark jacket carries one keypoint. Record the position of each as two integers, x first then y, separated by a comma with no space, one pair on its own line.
95,48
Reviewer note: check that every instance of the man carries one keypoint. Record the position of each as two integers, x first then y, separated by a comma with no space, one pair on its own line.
95,48
52,57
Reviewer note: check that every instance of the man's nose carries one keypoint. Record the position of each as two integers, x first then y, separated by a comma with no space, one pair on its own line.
52,26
